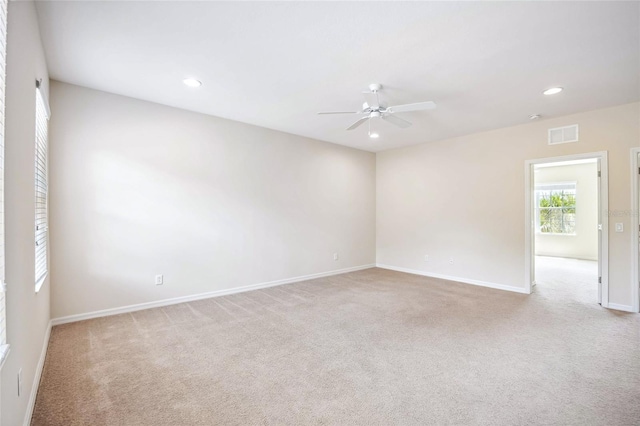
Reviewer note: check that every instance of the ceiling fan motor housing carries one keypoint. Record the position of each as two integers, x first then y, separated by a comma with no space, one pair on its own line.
367,108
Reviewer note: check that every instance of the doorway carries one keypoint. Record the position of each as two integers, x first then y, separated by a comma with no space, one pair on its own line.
566,250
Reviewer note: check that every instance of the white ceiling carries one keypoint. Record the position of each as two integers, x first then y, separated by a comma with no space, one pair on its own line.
276,64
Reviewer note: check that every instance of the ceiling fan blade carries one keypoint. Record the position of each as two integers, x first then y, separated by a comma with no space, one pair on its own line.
396,121
339,112
419,106
357,123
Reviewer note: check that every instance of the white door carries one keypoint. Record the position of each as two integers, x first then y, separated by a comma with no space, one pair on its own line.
638,210
600,230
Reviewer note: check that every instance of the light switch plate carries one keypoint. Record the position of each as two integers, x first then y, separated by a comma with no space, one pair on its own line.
619,227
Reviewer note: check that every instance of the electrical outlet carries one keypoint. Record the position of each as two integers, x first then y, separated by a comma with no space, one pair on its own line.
20,382
426,257
451,260
335,256
159,279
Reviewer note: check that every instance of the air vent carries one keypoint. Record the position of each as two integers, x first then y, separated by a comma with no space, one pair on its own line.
563,135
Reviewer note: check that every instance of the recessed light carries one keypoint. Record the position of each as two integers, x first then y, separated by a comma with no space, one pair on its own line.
534,116
553,91
374,135
192,82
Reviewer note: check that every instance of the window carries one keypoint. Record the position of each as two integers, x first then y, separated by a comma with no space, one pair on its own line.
3,54
556,208
41,187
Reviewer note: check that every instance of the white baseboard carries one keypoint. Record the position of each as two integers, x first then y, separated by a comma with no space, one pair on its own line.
217,293
617,307
36,379
456,279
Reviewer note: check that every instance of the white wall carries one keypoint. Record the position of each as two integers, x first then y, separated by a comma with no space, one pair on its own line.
584,244
139,189
27,312
464,198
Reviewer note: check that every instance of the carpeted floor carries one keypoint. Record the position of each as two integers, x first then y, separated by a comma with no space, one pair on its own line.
373,347
567,280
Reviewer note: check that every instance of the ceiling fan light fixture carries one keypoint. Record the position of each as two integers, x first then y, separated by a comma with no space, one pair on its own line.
553,91
372,135
192,82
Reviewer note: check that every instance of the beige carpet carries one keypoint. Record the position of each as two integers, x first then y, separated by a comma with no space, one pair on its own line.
570,280
373,347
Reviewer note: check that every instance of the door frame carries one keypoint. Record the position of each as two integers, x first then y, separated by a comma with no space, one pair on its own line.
635,228
529,220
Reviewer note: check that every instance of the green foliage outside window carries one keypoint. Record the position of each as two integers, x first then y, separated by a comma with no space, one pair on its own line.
557,212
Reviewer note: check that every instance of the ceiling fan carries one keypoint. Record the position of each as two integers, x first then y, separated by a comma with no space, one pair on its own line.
372,108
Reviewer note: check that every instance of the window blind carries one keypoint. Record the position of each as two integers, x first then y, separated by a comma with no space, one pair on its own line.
3,62
41,187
